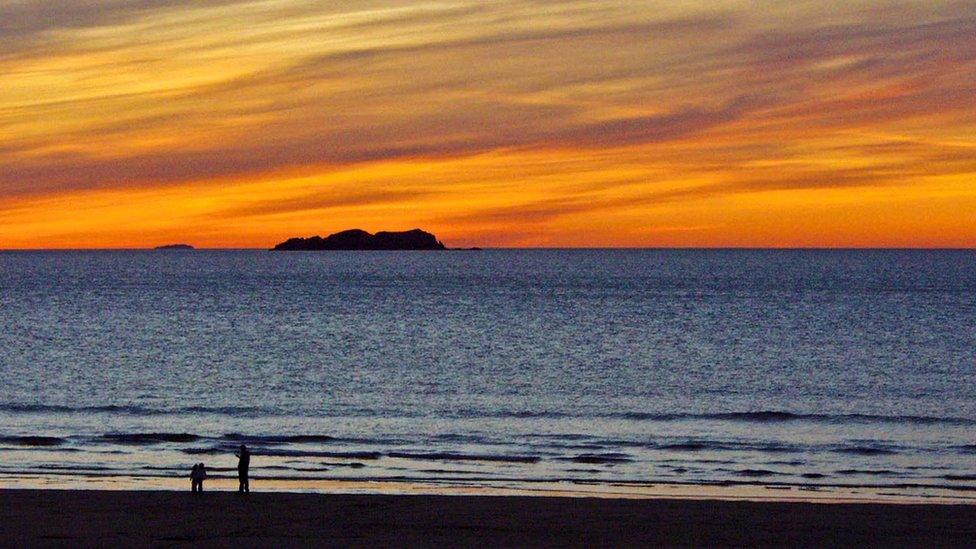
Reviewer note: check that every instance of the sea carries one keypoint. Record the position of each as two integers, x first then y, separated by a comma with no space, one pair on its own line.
837,371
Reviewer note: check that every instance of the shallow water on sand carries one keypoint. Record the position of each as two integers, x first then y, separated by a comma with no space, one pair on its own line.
802,369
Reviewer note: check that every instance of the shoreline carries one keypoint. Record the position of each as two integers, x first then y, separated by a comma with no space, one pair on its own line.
152,518
756,491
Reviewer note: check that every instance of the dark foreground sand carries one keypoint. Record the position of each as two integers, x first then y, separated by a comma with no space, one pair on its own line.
125,519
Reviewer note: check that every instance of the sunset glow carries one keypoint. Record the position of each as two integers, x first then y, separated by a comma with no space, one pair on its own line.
233,123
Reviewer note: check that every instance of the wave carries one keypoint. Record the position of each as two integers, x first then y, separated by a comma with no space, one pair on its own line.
80,467
353,465
450,456
599,459
772,416
279,452
149,438
288,468
959,477
245,411
869,472
708,445
855,448
282,452
865,450
289,453
55,408
134,410
760,416
688,446
560,436
230,440
353,455
182,469
575,446
32,440
204,451
463,438
520,414
278,439
756,473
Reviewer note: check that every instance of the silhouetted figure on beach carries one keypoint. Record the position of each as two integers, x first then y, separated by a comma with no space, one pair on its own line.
203,476
197,474
244,461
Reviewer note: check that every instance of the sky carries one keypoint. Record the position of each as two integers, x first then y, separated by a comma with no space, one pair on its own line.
237,123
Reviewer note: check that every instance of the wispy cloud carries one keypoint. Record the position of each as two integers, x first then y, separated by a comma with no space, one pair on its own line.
687,105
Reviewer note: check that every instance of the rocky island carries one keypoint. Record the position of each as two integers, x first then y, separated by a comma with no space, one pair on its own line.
175,247
357,239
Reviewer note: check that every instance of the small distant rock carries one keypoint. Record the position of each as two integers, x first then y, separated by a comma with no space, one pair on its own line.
175,247
358,239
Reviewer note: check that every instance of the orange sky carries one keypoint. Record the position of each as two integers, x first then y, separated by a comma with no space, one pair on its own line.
237,123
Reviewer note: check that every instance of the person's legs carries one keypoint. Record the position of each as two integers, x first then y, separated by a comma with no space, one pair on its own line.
247,485
241,480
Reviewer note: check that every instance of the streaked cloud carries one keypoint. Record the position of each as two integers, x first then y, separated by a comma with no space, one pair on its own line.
532,119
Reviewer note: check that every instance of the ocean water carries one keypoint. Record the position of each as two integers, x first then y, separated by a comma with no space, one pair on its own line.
800,369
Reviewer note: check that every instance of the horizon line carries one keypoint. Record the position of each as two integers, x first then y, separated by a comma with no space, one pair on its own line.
484,248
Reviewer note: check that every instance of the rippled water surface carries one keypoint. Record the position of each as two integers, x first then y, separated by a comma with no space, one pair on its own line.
801,368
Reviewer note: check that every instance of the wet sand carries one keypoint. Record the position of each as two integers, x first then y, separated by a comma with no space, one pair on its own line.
129,518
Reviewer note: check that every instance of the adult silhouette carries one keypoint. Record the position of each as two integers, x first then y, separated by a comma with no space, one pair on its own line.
197,476
243,462
201,476
194,475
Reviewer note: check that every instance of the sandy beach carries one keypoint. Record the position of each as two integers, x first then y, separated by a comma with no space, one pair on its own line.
159,518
